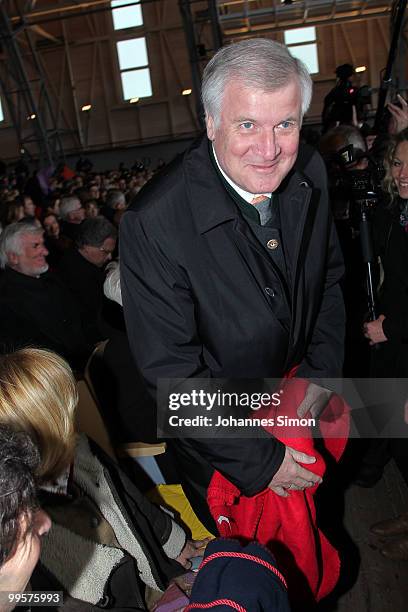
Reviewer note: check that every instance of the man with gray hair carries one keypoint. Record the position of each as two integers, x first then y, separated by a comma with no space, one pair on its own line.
115,205
35,307
230,263
22,248
72,214
82,269
115,199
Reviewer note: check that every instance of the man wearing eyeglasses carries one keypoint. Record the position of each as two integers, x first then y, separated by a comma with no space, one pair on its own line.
82,269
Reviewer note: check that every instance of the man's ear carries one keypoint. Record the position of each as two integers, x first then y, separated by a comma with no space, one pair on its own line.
210,127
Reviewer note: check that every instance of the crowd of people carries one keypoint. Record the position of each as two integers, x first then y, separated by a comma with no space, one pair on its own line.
202,296
54,251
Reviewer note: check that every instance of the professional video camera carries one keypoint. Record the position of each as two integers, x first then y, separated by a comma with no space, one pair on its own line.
358,183
355,178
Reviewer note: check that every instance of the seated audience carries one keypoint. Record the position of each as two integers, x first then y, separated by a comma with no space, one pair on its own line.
115,203
52,205
82,269
55,243
109,546
91,209
115,199
12,212
72,214
93,190
29,206
51,226
35,307
22,522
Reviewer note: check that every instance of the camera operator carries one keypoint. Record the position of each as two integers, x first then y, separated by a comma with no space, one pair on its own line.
344,150
346,102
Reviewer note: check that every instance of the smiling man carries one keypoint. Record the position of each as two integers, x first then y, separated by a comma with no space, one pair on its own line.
230,262
35,307
256,137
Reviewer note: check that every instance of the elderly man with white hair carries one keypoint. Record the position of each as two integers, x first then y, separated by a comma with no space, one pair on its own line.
35,307
230,264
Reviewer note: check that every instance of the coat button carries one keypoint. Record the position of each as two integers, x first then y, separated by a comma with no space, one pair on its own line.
272,244
270,291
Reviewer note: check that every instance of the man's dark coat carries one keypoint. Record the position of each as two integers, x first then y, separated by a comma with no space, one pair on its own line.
85,281
199,290
41,312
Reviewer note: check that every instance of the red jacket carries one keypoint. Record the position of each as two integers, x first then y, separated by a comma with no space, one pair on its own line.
287,525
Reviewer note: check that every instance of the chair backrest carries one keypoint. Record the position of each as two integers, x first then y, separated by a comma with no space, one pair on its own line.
88,415
101,422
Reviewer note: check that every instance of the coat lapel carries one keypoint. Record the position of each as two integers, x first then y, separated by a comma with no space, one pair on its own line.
213,206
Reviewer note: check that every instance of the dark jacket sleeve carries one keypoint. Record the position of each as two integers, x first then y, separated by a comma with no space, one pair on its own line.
160,314
325,352
156,521
396,328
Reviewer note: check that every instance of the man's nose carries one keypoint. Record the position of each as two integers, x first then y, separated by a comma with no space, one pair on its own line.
268,144
44,251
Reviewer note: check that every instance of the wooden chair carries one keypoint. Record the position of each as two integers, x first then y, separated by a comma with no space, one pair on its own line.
92,420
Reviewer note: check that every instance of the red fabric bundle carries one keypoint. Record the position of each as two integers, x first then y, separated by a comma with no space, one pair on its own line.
287,525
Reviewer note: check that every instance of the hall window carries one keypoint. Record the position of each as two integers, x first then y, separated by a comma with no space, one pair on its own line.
1,112
303,45
126,16
134,68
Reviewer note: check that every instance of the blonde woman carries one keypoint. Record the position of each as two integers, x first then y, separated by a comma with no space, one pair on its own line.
390,330
109,546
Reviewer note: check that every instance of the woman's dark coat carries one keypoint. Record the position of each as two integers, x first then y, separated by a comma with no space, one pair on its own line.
391,243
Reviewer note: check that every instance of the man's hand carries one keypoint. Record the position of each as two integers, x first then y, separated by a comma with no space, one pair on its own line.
399,115
193,548
315,401
373,330
291,476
